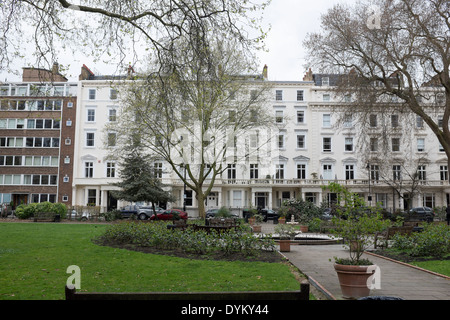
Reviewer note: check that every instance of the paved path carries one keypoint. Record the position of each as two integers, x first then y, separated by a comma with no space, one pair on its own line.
397,280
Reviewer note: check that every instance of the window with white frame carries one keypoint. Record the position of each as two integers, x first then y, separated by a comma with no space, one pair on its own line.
281,144
443,172
90,139
327,171
231,171
381,199
301,141
374,172
158,169
301,170
90,115
395,144
373,144
420,144
112,139
326,144
89,169
326,97
349,171
279,95
279,118
254,171
112,94
373,121
348,144
279,171
396,172
428,200
300,116
419,122
422,172
325,81
326,120
112,115
394,120
348,120
92,94
300,96
237,198
110,169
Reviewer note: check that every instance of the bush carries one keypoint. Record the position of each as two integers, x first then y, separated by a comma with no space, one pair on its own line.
433,241
26,211
303,211
156,234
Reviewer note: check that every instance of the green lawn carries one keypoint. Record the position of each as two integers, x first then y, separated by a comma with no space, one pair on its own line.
439,266
34,258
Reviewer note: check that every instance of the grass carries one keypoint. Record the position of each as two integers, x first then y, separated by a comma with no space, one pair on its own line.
439,266
34,258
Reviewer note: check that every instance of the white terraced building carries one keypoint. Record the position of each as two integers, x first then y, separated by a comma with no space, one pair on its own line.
313,148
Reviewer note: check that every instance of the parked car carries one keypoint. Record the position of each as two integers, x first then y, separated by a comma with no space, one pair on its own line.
211,213
326,215
269,214
171,214
420,214
140,212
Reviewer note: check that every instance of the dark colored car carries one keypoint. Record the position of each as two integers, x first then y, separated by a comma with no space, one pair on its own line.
141,212
269,214
171,214
420,214
211,213
327,214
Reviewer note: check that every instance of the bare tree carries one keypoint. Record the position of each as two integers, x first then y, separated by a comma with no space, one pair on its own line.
196,108
117,29
390,48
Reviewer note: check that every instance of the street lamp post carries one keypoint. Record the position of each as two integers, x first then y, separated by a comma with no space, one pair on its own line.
369,197
184,192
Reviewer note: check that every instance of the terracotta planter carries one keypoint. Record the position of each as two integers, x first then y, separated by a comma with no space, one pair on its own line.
285,245
251,221
256,228
282,220
354,280
303,228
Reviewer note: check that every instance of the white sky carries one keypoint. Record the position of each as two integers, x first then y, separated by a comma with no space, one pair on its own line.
291,20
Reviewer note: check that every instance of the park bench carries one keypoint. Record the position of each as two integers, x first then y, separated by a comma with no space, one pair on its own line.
302,294
178,224
46,216
389,233
209,228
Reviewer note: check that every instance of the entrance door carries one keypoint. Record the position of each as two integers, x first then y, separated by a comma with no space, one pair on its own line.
111,203
212,201
18,199
261,200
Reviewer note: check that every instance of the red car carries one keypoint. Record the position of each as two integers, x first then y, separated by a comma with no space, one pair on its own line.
169,215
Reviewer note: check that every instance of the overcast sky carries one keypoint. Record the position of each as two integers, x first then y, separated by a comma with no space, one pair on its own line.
291,20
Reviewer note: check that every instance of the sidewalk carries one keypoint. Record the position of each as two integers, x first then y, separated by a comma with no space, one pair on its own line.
397,279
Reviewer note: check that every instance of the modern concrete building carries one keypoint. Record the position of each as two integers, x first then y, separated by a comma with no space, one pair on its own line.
37,137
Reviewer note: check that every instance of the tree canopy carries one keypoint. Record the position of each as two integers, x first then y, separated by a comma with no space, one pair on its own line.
120,32
396,48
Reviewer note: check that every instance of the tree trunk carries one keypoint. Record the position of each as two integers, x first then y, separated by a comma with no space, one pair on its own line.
201,203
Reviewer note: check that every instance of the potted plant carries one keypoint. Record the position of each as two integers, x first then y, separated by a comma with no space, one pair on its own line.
286,233
257,223
356,225
282,215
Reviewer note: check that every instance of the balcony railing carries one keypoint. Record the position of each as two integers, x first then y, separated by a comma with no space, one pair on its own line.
315,182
